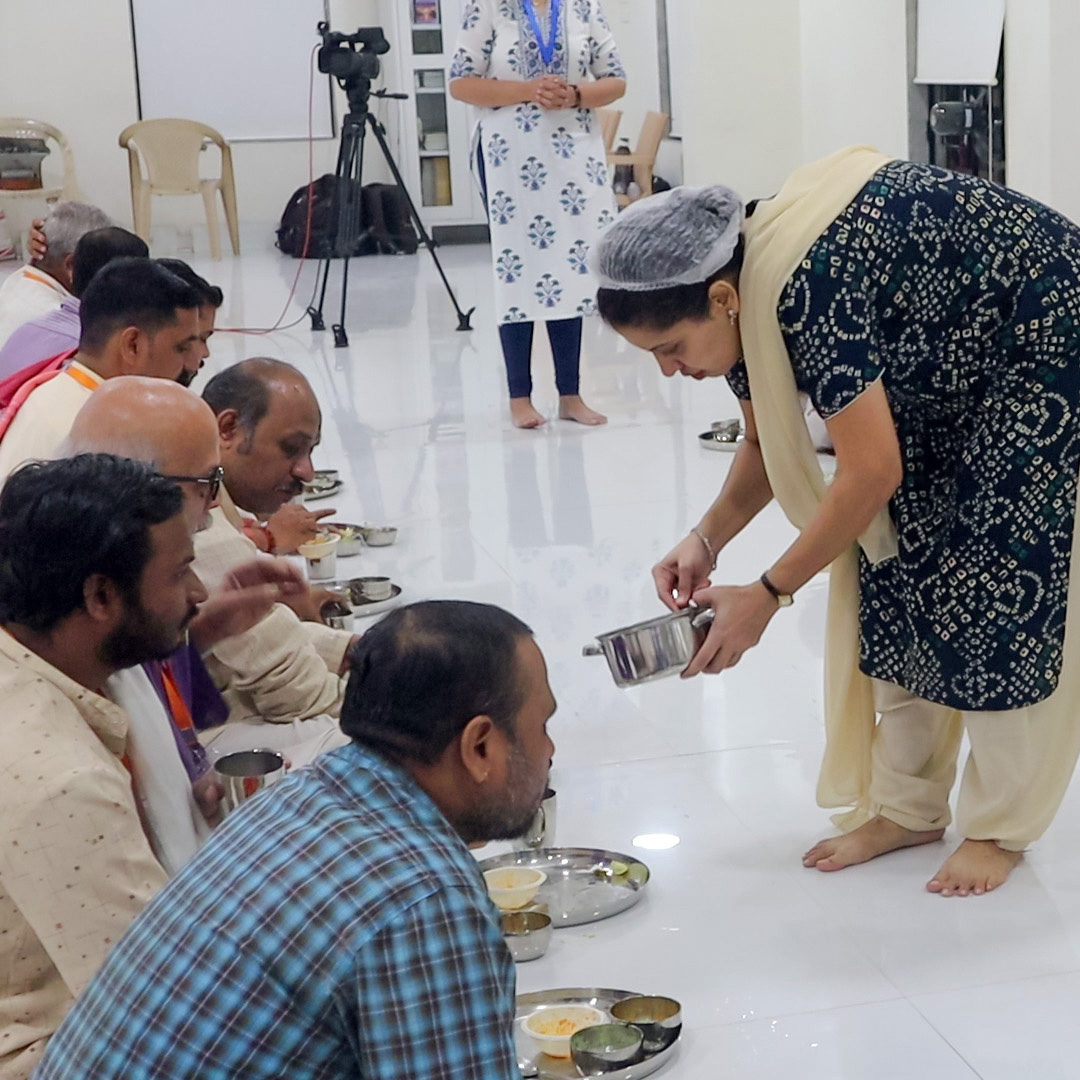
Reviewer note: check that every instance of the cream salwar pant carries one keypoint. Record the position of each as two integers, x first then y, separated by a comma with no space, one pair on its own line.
1020,764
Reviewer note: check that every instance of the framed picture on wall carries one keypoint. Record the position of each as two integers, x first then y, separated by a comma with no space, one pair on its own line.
425,12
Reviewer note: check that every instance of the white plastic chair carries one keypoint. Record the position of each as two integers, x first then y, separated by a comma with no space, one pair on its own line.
169,151
643,159
20,128
609,126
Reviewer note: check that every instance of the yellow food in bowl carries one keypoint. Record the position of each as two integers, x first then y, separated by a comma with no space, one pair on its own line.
559,1027
551,1026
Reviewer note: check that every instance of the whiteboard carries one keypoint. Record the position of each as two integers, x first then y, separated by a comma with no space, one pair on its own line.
241,66
959,42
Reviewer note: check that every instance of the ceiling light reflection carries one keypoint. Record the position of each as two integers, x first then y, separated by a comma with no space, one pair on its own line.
655,841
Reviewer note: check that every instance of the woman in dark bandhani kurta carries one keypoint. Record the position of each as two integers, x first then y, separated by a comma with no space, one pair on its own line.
934,321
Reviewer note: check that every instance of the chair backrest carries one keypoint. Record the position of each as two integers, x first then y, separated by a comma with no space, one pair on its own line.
170,150
653,129
18,127
609,125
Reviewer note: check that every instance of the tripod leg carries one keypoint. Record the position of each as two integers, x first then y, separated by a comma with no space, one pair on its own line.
380,138
349,231
316,314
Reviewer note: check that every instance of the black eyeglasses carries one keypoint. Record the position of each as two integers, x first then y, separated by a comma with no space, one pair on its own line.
212,482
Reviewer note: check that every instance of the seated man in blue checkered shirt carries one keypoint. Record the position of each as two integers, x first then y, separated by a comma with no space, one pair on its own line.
337,925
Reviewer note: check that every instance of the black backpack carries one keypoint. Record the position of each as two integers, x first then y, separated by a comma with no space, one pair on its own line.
378,221
386,210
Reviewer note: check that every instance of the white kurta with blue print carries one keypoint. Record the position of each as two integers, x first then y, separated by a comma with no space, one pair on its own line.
548,190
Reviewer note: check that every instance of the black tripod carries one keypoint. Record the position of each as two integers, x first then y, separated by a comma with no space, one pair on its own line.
348,225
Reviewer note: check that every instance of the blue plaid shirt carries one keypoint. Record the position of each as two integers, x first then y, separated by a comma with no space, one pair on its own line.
336,926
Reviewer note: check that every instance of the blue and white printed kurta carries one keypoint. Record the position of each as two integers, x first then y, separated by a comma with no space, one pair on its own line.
547,184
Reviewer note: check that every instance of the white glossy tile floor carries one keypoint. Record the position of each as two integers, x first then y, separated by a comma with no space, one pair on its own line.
783,972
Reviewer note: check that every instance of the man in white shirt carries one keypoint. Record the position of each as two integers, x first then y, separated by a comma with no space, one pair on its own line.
42,285
163,425
137,318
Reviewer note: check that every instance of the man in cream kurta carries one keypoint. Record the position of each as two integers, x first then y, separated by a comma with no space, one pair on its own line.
75,865
113,588
282,670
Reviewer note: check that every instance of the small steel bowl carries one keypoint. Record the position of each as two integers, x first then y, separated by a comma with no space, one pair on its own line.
527,933
351,545
659,1018
606,1048
653,649
366,590
337,614
378,535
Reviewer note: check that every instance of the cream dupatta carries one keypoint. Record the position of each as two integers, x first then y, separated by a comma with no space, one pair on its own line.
778,235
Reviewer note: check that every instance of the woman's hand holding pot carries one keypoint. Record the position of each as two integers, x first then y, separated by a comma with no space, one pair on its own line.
741,613
683,571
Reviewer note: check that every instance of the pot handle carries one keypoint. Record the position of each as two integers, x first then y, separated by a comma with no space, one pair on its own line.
592,650
703,618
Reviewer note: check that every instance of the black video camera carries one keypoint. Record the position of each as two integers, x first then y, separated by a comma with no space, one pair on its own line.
339,56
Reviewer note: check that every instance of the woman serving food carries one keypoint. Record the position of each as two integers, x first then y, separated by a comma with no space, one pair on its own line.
934,321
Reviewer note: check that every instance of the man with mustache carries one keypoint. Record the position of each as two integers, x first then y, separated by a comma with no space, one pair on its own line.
160,423
338,926
95,576
282,669
137,318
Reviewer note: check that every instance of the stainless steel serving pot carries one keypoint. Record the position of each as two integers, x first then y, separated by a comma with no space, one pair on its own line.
653,649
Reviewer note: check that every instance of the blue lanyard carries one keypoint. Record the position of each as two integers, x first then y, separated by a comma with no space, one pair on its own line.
547,51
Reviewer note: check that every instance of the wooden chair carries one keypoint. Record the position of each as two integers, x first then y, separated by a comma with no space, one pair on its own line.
17,128
609,126
169,150
643,158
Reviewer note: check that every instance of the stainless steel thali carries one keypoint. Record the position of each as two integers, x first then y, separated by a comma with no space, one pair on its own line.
583,885
540,1065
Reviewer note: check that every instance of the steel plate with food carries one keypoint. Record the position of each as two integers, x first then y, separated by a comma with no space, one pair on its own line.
581,885
552,1020
323,484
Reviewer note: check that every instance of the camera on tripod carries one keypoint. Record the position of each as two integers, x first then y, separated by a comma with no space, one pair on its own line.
340,58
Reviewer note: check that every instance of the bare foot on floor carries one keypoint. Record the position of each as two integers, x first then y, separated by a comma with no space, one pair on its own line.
877,837
976,866
573,408
523,414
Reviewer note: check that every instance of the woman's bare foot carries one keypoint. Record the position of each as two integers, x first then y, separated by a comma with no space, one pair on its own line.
877,837
571,407
523,414
976,866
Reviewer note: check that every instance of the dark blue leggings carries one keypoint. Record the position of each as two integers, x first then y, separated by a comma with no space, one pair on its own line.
517,339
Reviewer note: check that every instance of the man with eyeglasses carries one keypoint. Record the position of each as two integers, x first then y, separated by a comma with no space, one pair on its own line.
163,425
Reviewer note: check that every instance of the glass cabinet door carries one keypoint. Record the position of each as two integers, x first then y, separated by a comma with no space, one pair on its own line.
433,135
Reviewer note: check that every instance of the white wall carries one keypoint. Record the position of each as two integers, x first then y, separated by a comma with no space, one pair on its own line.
781,82
854,76
634,24
1042,124
745,125
70,62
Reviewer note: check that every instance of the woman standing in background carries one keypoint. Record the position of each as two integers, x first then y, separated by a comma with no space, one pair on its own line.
540,160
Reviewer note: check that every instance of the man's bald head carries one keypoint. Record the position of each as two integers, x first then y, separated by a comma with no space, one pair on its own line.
269,422
155,421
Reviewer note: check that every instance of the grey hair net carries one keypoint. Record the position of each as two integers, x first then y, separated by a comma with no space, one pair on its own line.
679,237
